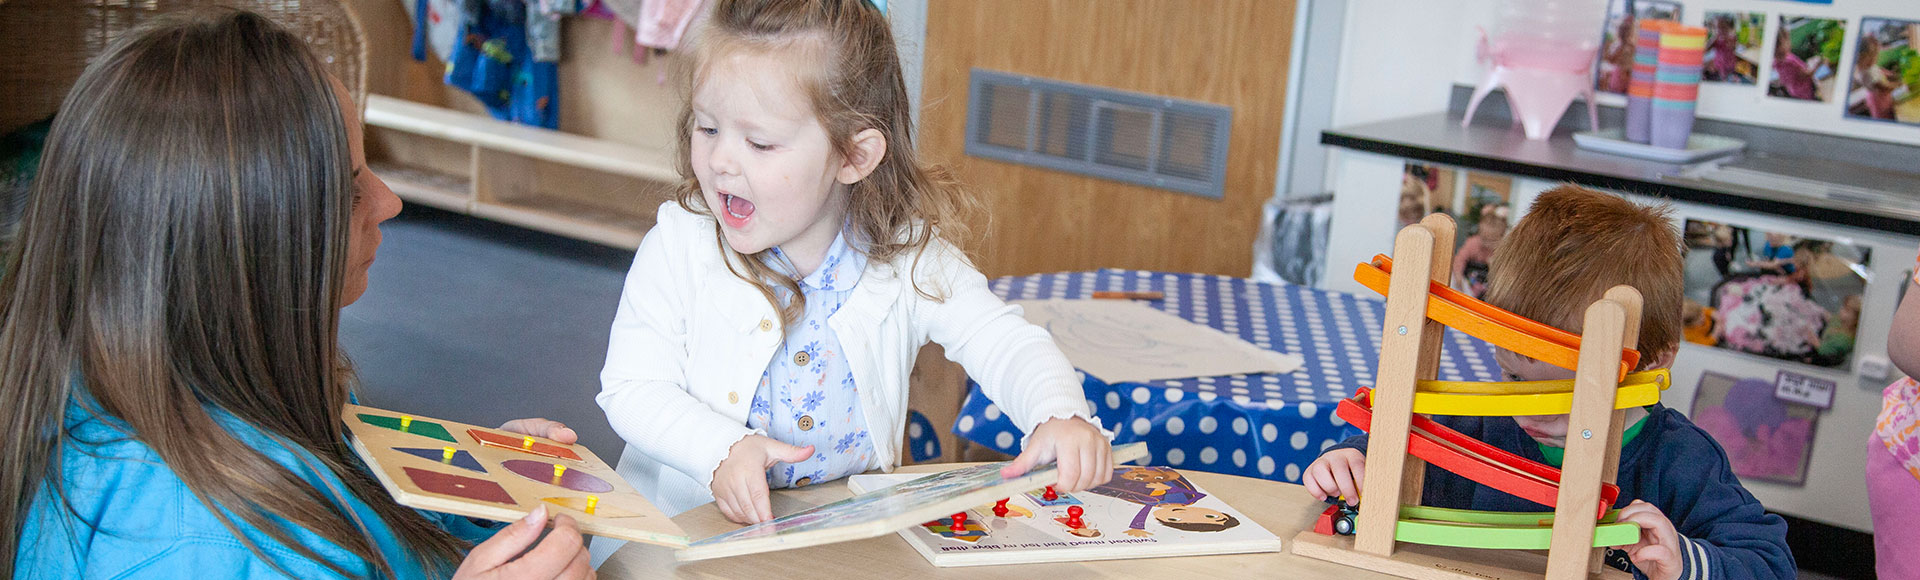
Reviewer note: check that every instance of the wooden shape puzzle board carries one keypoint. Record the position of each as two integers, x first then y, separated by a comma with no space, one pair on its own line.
510,481
1139,514
880,512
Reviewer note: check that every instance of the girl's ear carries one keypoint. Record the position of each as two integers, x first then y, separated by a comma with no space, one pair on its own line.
868,148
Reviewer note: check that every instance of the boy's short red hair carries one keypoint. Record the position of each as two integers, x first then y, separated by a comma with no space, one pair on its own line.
1574,244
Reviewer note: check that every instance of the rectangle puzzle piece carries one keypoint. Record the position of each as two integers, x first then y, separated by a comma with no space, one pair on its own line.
495,476
522,443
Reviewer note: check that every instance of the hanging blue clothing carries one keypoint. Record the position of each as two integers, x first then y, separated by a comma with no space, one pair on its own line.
493,61
128,515
807,396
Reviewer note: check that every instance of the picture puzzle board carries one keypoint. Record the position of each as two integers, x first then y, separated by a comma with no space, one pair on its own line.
883,511
473,471
1144,512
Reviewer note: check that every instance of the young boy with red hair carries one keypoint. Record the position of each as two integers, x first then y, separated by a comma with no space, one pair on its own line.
1696,520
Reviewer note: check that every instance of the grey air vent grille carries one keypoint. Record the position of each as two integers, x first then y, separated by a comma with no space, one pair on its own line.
1131,137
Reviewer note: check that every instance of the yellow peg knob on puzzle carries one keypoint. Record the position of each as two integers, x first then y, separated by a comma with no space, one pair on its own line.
446,455
405,421
592,502
558,470
526,442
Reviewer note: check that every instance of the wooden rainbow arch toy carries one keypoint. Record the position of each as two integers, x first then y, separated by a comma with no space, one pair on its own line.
1391,532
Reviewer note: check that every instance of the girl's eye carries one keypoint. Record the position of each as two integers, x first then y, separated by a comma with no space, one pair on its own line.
708,131
760,146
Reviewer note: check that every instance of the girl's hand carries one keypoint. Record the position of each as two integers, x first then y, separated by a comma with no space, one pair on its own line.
1657,554
1085,456
538,427
740,482
562,555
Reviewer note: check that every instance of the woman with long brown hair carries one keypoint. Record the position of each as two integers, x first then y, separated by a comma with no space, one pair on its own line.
168,332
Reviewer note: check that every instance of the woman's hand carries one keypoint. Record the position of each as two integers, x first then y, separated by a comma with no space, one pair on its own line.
561,556
740,482
538,427
1085,456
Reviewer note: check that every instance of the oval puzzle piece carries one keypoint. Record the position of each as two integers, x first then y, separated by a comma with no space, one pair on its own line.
542,472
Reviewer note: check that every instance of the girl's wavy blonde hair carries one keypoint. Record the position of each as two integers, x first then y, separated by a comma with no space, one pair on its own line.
850,71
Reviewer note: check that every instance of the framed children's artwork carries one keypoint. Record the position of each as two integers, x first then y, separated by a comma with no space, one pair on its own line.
1733,47
1481,205
1773,294
1765,438
1886,72
1616,39
1806,55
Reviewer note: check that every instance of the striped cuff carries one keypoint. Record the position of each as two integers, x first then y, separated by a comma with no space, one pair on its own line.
1695,562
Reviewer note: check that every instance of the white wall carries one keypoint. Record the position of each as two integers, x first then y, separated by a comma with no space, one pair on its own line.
1399,59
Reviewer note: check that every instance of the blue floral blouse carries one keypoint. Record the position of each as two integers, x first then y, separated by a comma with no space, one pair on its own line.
807,396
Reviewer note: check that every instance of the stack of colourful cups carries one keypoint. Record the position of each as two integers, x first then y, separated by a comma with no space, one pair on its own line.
1676,86
1646,59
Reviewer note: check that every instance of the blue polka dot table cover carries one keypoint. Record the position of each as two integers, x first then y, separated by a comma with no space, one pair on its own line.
1268,426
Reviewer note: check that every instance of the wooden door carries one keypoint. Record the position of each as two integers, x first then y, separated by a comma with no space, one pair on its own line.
1226,52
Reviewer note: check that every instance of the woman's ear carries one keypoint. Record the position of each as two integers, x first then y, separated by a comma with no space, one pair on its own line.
869,146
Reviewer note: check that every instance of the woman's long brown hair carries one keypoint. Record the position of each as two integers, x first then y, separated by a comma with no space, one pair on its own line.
845,60
182,255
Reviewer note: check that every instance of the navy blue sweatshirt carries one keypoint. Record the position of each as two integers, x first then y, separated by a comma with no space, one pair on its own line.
1672,464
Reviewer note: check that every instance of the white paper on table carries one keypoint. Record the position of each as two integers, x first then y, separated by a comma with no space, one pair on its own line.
1121,341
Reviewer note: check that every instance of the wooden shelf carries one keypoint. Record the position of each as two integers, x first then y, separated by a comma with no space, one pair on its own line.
534,142
426,187
568,185
570,219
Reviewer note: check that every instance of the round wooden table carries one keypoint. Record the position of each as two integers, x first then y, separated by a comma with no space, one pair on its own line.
1282,508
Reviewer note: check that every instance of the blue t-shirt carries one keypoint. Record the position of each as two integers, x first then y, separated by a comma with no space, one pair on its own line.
807,396
129,516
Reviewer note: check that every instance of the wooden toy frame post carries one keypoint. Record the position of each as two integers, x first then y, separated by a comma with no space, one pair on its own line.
1409,353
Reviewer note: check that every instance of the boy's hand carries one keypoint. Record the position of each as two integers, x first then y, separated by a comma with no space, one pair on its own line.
538,427
1086,459
740,482
1336,473
1657,554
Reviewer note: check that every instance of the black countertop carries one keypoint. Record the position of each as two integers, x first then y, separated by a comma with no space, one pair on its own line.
1763,179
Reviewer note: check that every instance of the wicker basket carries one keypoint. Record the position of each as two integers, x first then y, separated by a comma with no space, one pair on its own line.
45,44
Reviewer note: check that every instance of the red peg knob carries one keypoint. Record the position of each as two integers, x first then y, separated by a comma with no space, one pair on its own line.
1073,517
1050,495
959,521
1000,508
